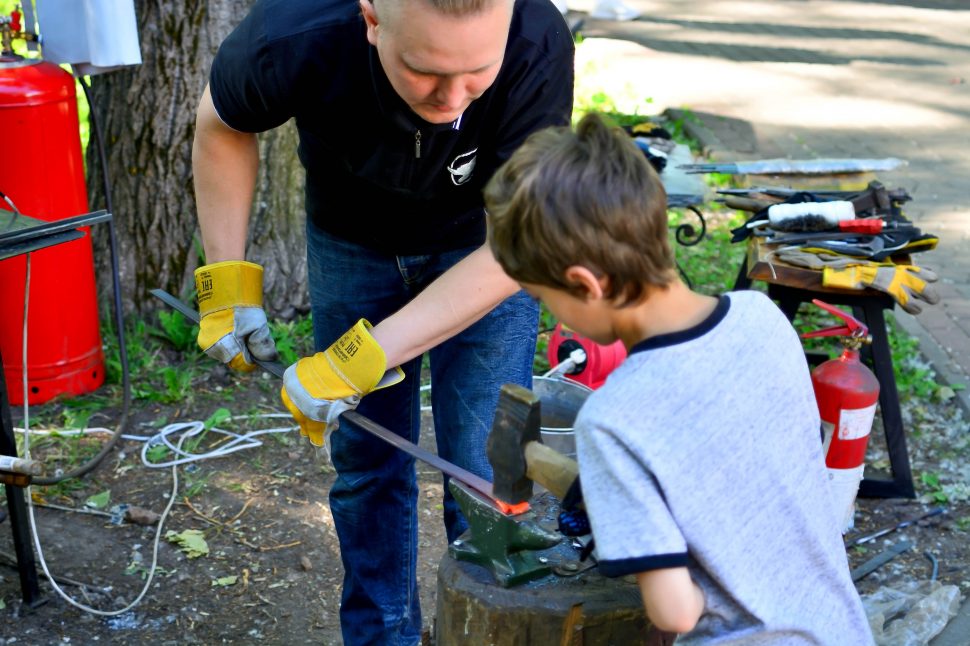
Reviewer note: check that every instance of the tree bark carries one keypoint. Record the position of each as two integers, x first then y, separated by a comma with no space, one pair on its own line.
147,118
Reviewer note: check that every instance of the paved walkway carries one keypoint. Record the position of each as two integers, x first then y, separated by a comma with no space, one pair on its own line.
817,78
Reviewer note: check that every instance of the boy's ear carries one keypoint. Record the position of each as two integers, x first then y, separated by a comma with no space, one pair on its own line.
585,281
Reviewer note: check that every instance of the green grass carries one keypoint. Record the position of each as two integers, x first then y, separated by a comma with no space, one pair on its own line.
294,339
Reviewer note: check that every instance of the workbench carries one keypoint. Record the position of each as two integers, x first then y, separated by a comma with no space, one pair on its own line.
20,234
790,286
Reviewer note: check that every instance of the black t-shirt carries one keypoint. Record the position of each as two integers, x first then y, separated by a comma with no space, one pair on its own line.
310,60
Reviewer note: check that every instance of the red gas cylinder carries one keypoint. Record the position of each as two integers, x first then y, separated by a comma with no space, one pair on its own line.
600,359
43,173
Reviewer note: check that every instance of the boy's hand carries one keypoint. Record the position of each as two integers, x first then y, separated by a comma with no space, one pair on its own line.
317,389
233,327
674,603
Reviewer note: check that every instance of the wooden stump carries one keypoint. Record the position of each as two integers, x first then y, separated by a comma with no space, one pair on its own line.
587,609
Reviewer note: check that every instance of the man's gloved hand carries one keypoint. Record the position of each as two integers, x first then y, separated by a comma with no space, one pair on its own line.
233,327
317,389
905,283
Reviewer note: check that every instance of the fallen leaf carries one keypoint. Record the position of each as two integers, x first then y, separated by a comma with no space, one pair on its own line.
226,581
190,541
99,500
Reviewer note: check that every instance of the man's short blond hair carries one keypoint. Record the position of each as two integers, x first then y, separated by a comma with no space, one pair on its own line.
586,197
447,7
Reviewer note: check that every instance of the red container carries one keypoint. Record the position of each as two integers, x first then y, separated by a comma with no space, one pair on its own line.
601,360
43,173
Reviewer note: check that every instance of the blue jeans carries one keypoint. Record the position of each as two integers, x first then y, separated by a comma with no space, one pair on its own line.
374,498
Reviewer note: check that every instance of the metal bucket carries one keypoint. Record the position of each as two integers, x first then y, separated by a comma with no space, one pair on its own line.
561,400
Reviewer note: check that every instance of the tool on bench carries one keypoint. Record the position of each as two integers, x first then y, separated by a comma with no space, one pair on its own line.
478,483
806,216
790,210
795,166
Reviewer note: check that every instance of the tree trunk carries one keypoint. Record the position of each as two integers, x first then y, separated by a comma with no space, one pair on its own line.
147,116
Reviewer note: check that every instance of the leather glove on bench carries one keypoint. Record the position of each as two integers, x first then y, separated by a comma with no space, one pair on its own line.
317,389
905,283
232,326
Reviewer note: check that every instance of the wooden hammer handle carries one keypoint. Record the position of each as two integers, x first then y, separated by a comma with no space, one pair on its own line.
549,468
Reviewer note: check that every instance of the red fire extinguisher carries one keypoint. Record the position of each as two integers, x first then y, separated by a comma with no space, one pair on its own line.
847,393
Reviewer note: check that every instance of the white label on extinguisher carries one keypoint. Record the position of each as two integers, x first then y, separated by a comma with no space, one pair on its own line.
856,423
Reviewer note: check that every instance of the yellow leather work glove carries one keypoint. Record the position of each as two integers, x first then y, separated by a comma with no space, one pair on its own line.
233,327
317,389
817,258
905,283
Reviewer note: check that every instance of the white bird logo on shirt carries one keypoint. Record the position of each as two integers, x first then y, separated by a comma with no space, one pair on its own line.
462,167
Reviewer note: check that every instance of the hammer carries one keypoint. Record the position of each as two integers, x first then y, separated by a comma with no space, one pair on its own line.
517,454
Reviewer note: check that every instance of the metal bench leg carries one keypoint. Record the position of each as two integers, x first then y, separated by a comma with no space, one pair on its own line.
17,508
901,485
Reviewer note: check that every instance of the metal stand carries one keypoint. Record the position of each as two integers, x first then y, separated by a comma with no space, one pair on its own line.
16,507
868,308
21,234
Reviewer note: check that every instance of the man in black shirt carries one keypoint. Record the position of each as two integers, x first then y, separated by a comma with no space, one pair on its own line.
404,109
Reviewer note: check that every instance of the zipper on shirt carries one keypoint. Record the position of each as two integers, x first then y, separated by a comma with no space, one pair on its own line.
417,144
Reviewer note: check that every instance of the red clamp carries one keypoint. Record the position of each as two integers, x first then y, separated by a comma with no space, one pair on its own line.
852,328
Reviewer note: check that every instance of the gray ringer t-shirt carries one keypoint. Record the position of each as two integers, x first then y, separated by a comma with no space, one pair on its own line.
703,450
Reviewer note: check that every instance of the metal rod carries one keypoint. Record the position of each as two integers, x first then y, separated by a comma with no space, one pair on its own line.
900,525
453,470
880,559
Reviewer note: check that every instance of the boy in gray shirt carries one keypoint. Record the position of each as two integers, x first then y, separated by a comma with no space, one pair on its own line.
700,457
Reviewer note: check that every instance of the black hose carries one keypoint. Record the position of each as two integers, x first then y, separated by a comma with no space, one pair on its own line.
119,315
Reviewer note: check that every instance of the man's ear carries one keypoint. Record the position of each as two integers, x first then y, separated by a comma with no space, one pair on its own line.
586,282
370,19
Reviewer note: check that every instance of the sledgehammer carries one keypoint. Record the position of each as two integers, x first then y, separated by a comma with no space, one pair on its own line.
516,452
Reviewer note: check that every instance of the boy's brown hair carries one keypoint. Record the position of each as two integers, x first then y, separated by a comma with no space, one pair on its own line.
586,198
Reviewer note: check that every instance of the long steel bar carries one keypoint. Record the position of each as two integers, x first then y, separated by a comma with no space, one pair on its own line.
453,470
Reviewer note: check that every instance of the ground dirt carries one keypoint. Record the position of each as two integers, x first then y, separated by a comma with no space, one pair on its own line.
263,513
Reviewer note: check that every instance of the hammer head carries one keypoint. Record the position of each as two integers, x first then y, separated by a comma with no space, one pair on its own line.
517,422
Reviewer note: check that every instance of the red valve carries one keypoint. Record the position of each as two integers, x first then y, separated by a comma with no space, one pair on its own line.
15,20
852,328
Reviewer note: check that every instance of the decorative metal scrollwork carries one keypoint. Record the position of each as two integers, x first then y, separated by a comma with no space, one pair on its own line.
686,234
